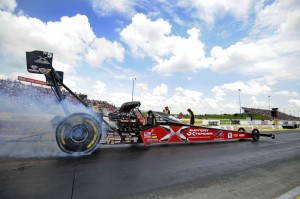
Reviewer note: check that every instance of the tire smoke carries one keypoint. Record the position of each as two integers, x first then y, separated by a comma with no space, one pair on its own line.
26,114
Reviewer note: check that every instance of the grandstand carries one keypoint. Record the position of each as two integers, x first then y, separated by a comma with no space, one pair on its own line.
268,113
18,96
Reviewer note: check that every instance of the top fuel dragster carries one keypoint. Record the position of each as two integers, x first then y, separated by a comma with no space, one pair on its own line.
80,133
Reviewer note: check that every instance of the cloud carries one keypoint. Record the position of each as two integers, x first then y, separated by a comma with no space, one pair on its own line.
147,38
8,5
152,99
210,11
142,87
78,84
108,7
294,102
99,88
272,48
247,58
227,96
70,34
71,39
219,93
102,50
251,87
254,103
182,99
277,17
286,94
160,91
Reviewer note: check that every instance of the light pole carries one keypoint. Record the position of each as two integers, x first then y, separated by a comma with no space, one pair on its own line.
269,102
240,100
133,78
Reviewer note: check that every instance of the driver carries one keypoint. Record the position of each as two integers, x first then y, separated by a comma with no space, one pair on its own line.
192,117
150,118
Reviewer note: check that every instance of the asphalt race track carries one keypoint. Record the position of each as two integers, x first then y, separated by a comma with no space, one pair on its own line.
235,169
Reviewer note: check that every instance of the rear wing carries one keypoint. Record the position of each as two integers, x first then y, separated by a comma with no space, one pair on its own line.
40,62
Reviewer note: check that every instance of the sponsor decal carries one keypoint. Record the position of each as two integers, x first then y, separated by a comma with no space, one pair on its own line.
229,135
224,122
262,127
200,137
197,122
160,119
124,120
199,130
25,79
127,140
44,70
199,133
43,60
235,122
196,134
242,135
219,134
147,134
235,135
152,140
264,122
213,123
174,133
34,69
275,126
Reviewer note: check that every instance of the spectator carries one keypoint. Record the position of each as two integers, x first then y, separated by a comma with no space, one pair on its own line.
192,117
180,116
20,96
166,110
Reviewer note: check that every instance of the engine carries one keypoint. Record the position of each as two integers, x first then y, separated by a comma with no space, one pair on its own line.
125,122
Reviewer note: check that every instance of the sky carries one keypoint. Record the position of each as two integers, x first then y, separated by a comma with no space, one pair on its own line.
182,54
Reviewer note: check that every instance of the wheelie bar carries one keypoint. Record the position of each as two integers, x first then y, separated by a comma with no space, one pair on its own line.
267,135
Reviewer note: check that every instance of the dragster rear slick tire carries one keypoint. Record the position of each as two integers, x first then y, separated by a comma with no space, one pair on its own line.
78,134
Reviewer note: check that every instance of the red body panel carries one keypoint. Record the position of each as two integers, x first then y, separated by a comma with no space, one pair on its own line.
173,133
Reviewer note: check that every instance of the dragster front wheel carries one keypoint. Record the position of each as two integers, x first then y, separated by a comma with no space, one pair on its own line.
255,134
78,133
